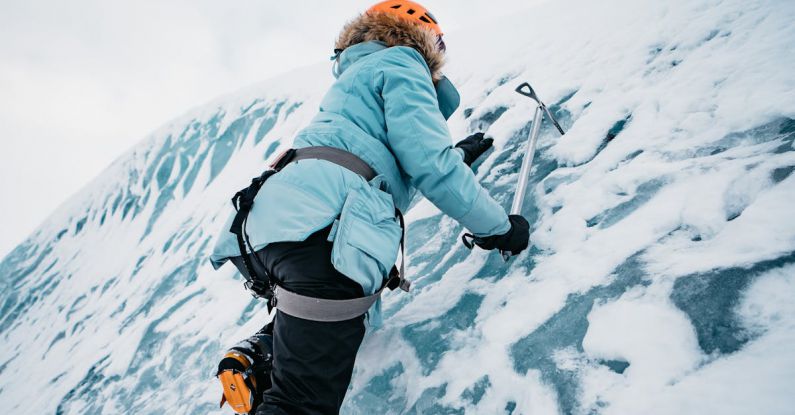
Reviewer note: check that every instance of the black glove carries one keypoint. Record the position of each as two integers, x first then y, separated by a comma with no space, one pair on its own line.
474,146
515,240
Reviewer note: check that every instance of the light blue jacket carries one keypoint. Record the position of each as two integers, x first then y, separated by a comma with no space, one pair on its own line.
385,109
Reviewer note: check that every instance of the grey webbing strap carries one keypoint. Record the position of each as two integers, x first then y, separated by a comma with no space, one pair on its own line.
337,156
319,309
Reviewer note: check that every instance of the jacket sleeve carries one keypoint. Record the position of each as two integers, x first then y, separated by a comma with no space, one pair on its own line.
418,136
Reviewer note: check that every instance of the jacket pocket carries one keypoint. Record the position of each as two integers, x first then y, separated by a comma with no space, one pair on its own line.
367,237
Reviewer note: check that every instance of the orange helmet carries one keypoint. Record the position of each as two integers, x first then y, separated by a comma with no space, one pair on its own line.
410,11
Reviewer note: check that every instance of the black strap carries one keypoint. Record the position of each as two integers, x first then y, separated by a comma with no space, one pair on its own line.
469,240
243,201
397,279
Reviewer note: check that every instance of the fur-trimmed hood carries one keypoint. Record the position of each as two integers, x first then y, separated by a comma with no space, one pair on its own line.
393,31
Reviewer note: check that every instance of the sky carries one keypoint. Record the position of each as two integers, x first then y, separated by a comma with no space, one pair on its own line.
83,81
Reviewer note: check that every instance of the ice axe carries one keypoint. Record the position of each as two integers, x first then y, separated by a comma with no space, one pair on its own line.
527,160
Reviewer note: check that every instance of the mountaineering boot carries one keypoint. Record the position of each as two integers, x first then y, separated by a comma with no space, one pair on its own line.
245,371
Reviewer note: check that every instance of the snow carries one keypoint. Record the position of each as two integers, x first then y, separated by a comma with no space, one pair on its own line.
659,281
661,347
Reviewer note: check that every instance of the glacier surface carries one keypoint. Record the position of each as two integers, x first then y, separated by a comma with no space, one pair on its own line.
662,267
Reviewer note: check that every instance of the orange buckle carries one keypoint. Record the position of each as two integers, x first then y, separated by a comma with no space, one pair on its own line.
236,391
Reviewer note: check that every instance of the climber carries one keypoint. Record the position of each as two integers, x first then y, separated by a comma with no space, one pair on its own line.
327,224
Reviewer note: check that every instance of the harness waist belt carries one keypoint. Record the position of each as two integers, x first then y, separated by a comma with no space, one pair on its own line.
319,309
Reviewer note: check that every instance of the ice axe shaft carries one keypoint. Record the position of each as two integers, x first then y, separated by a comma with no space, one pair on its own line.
527,160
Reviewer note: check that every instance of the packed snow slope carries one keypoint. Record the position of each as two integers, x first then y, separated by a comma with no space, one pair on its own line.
662,267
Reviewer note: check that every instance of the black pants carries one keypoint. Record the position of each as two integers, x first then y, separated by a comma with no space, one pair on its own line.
312,360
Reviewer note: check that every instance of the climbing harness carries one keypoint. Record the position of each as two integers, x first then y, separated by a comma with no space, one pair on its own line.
261,284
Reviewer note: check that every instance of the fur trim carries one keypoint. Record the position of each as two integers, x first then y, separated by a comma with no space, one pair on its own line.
394,31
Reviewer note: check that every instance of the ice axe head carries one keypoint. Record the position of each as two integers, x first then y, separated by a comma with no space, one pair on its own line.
527,90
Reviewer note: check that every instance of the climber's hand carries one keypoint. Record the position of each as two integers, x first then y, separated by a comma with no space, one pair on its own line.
514,241
474,146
